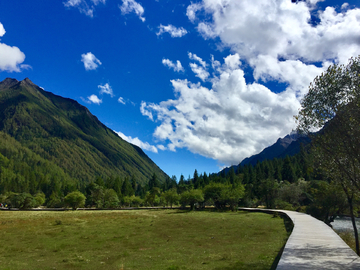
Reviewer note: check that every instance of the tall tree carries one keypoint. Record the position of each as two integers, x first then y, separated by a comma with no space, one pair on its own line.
333,103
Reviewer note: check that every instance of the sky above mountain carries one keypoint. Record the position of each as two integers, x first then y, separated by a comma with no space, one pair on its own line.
197,84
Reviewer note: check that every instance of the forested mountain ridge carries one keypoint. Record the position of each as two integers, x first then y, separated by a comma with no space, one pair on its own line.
287,146
64,133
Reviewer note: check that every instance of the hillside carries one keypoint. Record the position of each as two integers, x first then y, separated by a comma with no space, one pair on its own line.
66,136
287,146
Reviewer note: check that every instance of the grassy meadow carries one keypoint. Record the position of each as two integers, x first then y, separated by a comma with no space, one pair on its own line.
139,239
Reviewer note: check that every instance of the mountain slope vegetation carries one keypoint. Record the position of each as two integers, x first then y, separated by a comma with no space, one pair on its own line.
36,125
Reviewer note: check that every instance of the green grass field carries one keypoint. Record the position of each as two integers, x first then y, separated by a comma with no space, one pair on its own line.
141,239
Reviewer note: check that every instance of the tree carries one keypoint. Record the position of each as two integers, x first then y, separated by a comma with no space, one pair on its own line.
171,197
333,105
191,197
111,199
75,199
154,182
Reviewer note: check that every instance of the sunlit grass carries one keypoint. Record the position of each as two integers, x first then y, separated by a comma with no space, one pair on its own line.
143,239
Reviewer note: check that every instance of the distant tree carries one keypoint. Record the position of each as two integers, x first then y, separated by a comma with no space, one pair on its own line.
127,189
171,197
39,198
152,196
111,199
196,179
288,172
75,199
154,182
191,197
20,200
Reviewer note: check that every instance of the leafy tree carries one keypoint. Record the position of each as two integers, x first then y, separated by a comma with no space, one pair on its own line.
39,198
333,103
191,197
21,200
171,197
152,197
111,199
75,199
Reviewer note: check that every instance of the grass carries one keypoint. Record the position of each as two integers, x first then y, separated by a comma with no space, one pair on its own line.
141,239
348,237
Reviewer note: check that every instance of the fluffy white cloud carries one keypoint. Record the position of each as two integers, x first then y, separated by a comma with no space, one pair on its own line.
176,67
136,141
172,30
228,122
129,6
90,61
85,6
280,29
10,56
121,100
106,89
94,99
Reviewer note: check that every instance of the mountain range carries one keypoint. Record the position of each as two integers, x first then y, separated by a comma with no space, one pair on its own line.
64,135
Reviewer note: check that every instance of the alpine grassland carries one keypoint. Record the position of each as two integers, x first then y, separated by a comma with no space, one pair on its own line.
140,239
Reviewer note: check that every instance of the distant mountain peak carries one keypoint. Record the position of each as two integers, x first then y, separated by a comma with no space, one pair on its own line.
289,145
27,81
8,83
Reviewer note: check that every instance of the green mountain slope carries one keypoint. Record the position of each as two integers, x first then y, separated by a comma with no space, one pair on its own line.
64,133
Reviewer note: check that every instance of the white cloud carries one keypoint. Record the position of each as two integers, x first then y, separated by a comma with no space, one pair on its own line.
96,2
106,89
129,6
136,141
161,147
86,7
90,61
121,100
227,122
94,99
197,58
281,29
2,30
10,56
200,71
191,11
145,112
176,67
172,30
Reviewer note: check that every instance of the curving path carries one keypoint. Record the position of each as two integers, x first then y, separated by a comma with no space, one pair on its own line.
314,245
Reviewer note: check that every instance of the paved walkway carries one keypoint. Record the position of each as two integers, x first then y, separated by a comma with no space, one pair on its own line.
314,245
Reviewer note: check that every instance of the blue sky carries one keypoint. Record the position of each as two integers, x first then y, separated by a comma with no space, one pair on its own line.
197,84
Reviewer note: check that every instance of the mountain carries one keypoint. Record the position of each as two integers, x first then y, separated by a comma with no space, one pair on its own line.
64,137
287,146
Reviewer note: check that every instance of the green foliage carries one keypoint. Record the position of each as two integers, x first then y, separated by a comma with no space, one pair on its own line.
191,197
53,144
111,199
171,197
75,199
333,103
